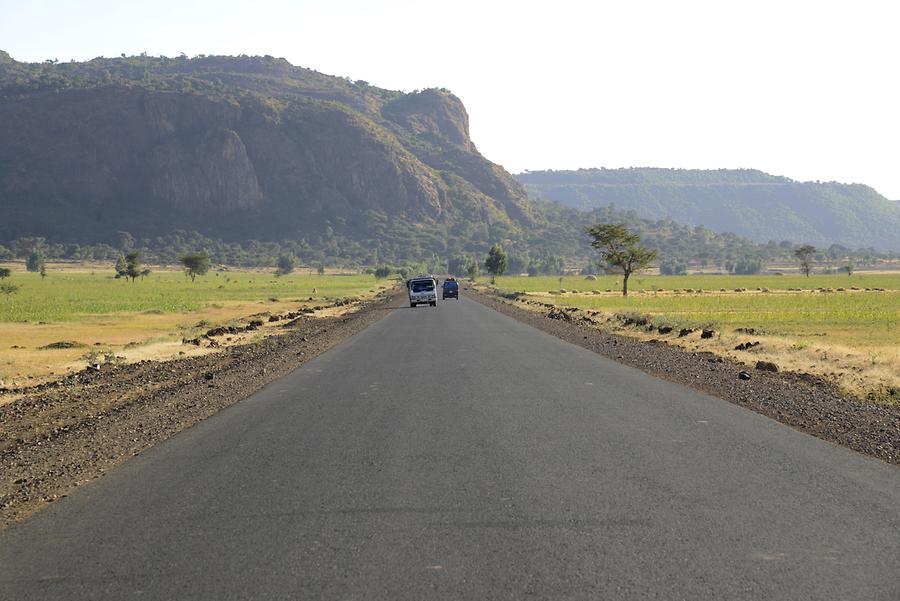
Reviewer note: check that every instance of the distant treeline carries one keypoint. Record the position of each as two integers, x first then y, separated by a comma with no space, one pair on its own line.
556,245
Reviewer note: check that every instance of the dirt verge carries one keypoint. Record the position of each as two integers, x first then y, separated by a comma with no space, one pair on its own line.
63,434
807,403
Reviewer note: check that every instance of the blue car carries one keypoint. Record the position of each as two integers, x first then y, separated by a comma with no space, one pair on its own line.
450,289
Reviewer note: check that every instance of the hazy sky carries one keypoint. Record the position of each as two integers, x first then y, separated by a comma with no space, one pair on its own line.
804,89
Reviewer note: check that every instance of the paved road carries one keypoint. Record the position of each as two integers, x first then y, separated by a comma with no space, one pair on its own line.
453,453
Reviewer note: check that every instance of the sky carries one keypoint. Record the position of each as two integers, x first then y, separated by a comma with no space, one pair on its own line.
808,90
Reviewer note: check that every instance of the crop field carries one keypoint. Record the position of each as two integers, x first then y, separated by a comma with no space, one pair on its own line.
72,295
846,328
55,325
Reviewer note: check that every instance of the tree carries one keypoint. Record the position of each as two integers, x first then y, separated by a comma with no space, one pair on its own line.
321,269
849,267
496,262
5,272
673,267
619,250
472,270
35,261
133,265
126,241
285,264
806,255
6,289
121,267
382,272
43,271
195,264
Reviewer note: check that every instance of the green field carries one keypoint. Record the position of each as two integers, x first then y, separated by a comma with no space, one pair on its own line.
858,317
52,326
71,295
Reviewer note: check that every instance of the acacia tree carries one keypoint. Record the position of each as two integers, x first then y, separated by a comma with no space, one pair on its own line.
496,262
195,264
619,250
806,256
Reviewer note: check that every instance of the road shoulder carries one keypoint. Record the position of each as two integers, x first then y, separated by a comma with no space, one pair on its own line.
805,403
68,433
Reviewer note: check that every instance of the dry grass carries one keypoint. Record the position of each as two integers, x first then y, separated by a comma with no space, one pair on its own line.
155,332
848,337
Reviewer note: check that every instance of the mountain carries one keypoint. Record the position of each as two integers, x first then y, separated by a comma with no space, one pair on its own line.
749,203
236,148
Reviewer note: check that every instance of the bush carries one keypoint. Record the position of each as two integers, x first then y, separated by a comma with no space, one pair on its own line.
285,264
673,268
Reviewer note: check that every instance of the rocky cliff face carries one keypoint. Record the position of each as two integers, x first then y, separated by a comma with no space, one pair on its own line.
233,147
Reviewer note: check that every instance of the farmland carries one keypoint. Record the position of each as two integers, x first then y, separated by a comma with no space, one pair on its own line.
844,328
94,314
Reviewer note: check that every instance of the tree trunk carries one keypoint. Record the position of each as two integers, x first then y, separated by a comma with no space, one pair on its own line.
625,284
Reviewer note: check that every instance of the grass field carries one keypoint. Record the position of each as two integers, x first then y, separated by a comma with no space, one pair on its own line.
71,295
142,320
852,336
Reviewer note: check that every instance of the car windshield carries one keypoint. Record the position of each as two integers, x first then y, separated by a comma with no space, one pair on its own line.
422,286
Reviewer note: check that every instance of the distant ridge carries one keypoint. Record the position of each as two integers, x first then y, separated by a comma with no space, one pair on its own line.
747,202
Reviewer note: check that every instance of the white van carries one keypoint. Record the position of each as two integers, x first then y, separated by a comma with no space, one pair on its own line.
422,289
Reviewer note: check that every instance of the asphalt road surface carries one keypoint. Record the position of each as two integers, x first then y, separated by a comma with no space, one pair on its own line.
453,453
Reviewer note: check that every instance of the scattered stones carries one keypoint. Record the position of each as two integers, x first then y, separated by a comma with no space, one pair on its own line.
686,332
635,320
766,366
744,375
559,314
665,329
707,334
746,346
63,344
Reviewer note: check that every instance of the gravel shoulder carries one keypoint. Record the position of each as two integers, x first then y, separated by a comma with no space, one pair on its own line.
64,434
806,403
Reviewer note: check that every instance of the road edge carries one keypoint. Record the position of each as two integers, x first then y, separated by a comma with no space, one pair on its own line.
805,403
171,397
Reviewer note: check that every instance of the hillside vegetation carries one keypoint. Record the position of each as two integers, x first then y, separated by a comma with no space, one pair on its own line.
746,202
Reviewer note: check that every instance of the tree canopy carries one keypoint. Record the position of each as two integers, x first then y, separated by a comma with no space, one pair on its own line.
496,262
619,250
195,264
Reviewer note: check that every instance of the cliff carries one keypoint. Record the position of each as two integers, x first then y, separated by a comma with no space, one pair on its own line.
235,147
